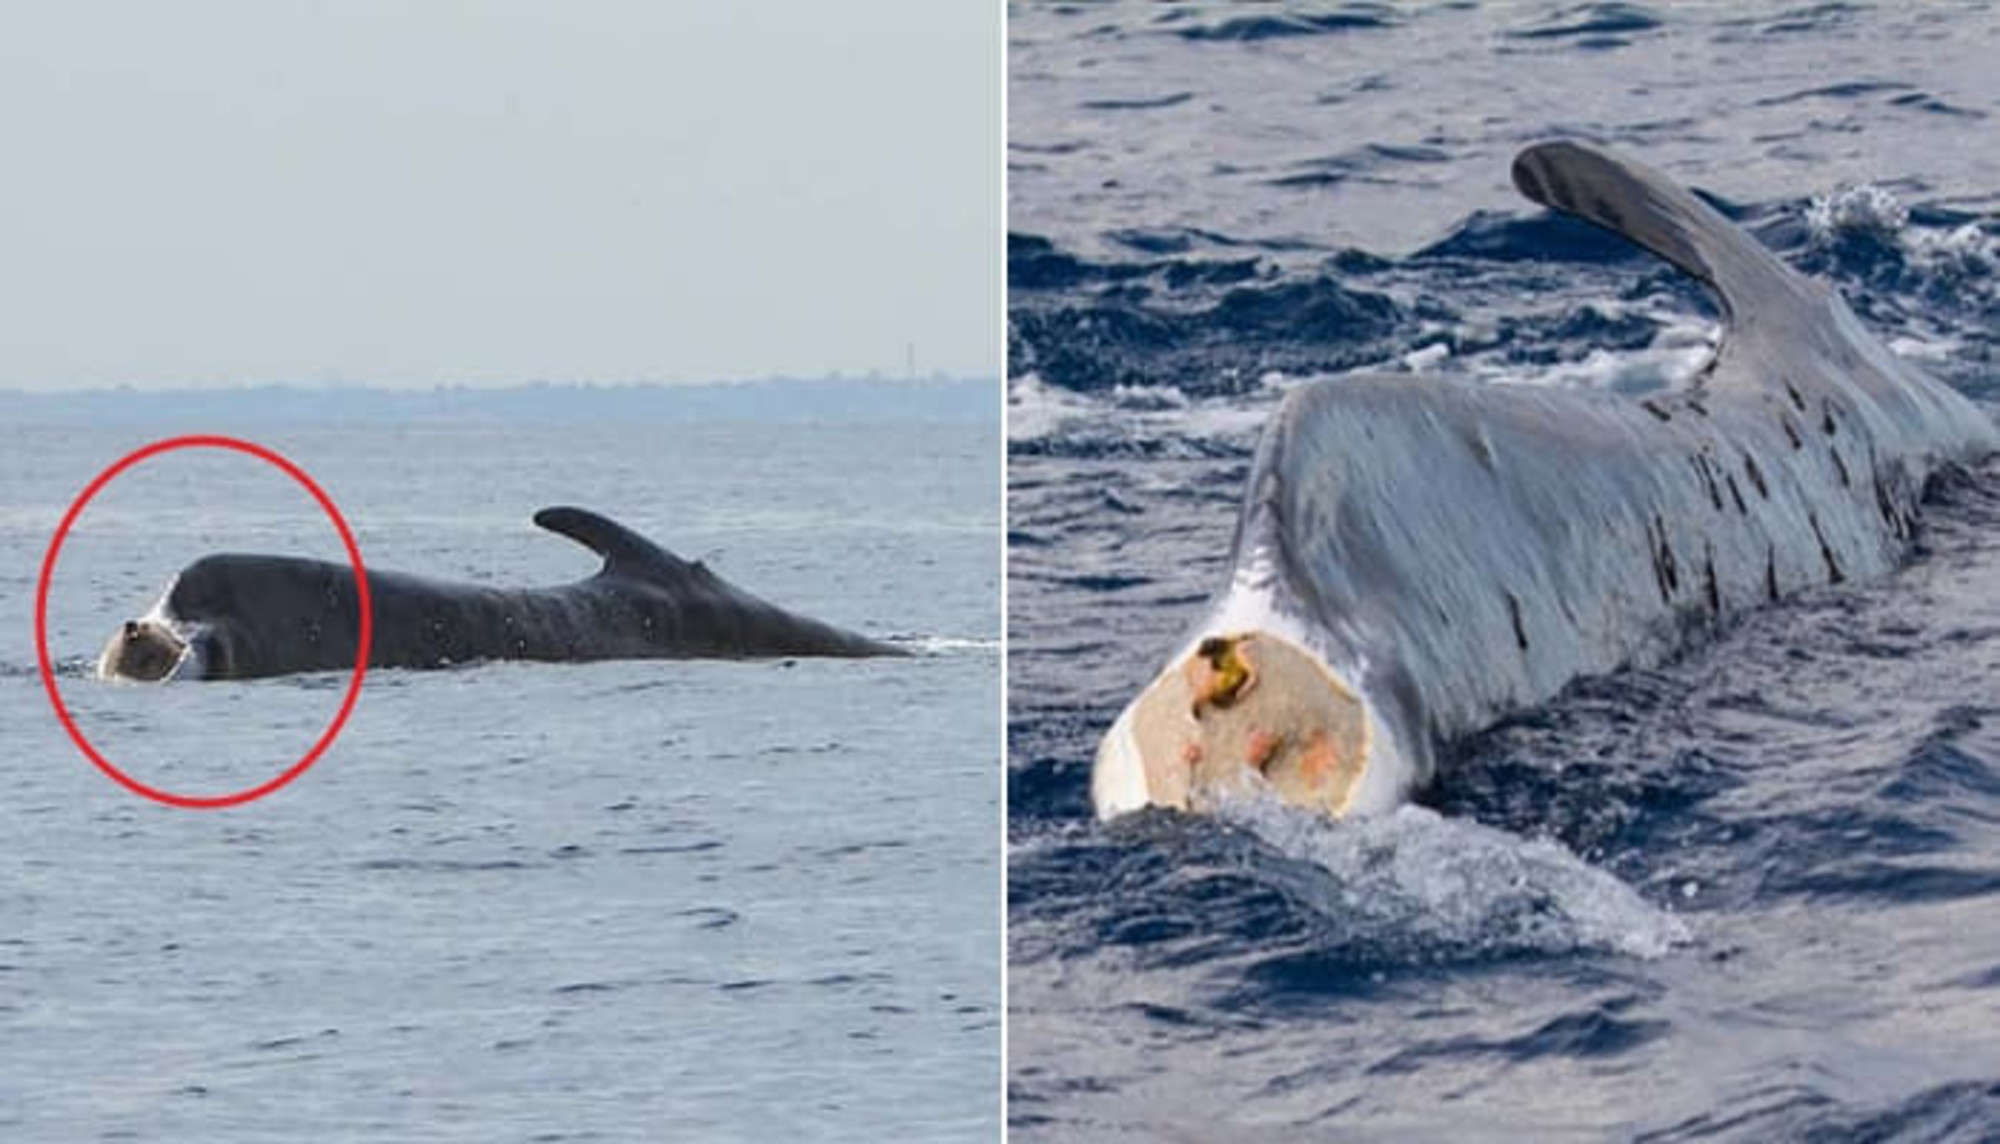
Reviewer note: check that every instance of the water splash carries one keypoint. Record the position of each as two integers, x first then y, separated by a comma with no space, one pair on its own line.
1450,889
1865,211
1942,248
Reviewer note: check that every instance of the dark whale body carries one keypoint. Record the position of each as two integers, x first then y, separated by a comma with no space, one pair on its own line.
1418,557
245,617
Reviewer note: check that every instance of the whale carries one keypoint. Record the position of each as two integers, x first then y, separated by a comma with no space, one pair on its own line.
1416,557
237,616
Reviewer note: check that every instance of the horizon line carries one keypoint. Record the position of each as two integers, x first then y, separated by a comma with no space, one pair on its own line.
393,388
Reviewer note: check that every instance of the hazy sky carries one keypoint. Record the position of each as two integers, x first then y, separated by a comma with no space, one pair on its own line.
411,192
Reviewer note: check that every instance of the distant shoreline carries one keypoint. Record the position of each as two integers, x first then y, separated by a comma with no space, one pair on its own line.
782,400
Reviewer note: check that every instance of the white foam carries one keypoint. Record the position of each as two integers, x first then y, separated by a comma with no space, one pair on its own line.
1158,418
1426,358
1037,410
943,645
1937,348
1148,397
1963,254
1965,251
1679,351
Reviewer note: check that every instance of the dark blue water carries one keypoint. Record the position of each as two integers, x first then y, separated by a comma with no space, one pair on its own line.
1754,895
608,901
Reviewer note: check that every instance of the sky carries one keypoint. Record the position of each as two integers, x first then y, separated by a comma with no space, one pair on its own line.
402,193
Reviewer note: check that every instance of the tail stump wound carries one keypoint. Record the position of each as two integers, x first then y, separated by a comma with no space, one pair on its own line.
1239,711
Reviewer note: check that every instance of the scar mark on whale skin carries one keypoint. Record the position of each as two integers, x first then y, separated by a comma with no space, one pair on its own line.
1756,476
1664,568
1482,451
1833,573
1714,590
1708,480
1899,521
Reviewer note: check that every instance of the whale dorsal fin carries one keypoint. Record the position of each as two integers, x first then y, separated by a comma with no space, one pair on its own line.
1633,200
625,552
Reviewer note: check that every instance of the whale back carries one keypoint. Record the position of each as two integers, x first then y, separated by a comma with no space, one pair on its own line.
1488,544
1449,553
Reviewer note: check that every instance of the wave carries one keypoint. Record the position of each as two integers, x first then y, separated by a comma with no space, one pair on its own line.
1287,25
1500,298
1591,25
1132,421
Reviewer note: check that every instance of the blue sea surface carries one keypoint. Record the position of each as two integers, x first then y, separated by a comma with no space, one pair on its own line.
608,901
1753,895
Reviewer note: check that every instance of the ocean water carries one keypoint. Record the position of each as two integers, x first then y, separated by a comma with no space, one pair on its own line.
1753,895
610,901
